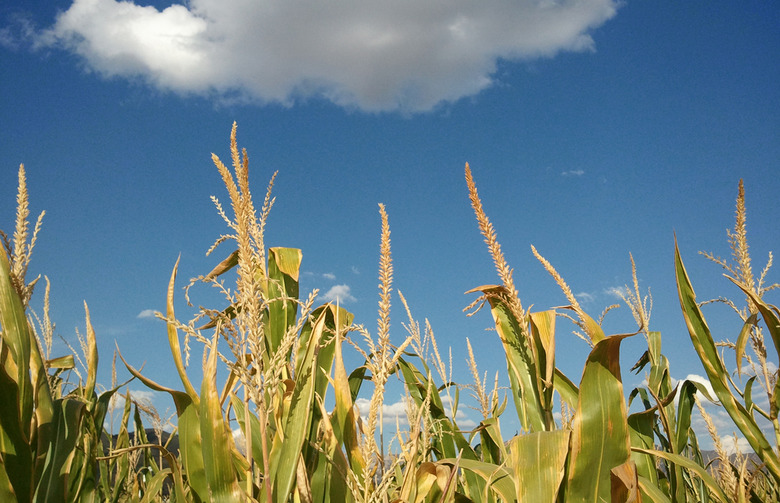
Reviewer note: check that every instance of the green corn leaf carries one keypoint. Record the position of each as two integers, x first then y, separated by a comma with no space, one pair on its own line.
6,488
241,418
190,440
640,428
450,441
538,461
217,440
521,365
492,442
16,458
570,393
497,478
600,438
287,444
283,269
770,313
652,492
60,448
688,464
328,476
716,371
154,486
17,338
63,362
543,335
344,418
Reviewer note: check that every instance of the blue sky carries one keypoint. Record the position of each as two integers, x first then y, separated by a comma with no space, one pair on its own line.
593,129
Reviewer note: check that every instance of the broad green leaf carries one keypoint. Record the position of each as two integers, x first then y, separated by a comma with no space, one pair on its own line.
344,418
63,362
521,366
60,448
6,488
287,444
600,439
570,393
15,453
217,440
154,486
543,334
640,429
257,440
17,338
492,442
449,442
328,478
283,267
716,371
497,478
538,461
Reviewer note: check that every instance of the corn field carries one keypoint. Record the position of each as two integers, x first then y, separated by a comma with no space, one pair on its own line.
283,355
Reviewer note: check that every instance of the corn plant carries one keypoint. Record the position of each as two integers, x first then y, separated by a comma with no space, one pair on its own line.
50,435
266,434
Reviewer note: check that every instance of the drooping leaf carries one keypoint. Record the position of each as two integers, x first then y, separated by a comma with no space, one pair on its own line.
716,371
600,439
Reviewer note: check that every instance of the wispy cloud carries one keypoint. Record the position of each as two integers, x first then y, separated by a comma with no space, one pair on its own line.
146,314
585,297
616,291
329,275
338,293
573,172
355,270
431,52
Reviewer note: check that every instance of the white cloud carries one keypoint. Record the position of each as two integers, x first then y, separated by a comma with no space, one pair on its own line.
338,293
730,446
370,54
147,313
585,297
329,275
573,172
746,369
355,270
392,413
118,398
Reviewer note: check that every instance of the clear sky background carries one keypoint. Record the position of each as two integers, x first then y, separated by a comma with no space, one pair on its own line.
593,129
